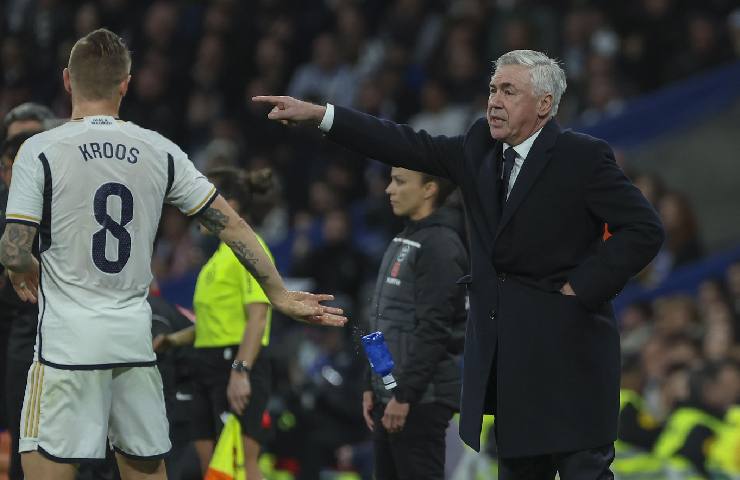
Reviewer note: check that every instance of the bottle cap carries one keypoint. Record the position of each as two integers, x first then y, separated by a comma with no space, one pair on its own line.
389,382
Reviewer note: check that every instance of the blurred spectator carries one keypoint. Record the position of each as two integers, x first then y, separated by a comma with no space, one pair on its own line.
675,315
325,375
733,27
326,78
337,266
175,254
682,245
651,186
698,422
733,287
653,29
682,231
437,116
27,117
636,325
705,48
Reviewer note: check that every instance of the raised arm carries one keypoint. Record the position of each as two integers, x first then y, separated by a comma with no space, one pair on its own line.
224,222
383,140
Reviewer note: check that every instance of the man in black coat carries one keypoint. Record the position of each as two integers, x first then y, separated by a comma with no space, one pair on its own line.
542,346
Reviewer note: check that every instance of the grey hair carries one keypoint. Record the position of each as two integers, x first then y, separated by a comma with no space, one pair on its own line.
28,111
546,74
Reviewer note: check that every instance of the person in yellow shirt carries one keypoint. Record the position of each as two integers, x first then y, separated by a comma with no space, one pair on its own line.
232,326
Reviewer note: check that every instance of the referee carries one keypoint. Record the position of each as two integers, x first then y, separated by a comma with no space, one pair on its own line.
232,326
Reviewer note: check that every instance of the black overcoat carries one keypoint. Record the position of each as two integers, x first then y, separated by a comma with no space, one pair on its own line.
547,365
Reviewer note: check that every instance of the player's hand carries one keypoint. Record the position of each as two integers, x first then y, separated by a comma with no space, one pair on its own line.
367,409
289,111
394,417
162,343
239,391
306,307
26,284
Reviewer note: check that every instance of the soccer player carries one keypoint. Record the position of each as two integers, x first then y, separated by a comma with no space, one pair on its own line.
94,189
233,314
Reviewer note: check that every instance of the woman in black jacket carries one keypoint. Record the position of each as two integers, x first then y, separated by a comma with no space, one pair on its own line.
420,309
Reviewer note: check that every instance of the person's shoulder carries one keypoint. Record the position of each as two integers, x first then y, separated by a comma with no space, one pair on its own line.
477,139
152,137
572,139
478,127
42,140
438,238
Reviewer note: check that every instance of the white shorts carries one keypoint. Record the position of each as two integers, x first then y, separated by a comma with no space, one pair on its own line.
69,414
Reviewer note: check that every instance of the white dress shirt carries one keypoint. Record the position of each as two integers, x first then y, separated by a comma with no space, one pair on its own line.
328,119
522,150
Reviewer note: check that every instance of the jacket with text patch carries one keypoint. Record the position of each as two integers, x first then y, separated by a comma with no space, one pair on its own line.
420,309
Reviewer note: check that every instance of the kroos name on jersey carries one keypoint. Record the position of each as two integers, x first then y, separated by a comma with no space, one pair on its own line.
118,151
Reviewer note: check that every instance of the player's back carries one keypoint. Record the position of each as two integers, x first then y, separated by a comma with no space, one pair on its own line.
104,182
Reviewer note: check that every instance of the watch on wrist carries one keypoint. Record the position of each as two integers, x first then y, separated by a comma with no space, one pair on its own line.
240,366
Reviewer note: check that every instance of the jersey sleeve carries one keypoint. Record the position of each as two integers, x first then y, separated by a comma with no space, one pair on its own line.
188,189
26,197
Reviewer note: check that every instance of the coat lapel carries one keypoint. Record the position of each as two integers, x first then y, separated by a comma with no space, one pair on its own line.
536,160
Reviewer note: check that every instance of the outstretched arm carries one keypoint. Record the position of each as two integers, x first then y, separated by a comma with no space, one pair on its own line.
17,257
224,222
383,140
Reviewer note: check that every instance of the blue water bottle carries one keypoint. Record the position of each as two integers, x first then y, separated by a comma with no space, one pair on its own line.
380,358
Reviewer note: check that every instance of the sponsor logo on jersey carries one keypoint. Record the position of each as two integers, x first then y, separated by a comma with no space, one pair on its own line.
101,121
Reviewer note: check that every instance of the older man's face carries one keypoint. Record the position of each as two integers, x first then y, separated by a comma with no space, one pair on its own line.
512,106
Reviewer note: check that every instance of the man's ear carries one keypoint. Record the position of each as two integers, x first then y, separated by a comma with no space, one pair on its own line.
544,106
123,86
67,80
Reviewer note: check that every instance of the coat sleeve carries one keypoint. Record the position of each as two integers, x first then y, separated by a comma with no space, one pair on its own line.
398,145
637,233
438,297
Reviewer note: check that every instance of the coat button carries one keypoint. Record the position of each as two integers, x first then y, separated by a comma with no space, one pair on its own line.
492,314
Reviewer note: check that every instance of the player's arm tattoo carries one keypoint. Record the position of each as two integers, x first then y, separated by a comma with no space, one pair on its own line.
214,220
16,245
249,259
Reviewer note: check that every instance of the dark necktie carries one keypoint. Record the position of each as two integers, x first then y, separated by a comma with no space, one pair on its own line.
509,156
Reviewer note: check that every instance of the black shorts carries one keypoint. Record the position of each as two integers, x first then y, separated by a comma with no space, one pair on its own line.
211,373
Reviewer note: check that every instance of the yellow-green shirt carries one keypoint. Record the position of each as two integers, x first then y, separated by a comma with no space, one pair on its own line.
223,289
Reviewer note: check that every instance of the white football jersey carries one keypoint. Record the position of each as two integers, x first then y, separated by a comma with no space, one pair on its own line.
95,188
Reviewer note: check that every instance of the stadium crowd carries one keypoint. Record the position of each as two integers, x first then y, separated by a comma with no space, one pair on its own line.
196,67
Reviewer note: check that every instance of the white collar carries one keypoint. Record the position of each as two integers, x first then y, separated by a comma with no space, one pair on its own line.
522,150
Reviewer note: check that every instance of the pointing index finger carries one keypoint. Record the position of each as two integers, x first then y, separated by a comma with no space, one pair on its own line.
267,99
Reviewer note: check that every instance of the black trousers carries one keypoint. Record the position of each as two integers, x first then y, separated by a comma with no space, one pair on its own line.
19,358
418,451
592,464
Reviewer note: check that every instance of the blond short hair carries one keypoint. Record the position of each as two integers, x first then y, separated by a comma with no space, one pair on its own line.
98,63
